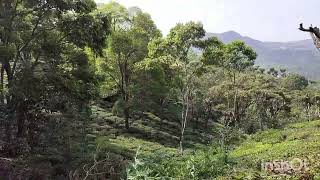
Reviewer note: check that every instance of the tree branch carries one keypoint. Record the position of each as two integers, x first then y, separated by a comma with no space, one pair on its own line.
311,29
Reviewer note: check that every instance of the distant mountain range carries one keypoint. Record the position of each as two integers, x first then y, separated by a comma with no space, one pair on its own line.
295,56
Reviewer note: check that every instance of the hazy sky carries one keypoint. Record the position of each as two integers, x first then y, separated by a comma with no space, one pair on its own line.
267,20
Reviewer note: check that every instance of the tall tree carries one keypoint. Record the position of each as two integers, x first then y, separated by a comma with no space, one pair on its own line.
177,48
235,57
128,45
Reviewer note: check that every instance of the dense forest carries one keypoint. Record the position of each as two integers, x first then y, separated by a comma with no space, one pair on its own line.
91,92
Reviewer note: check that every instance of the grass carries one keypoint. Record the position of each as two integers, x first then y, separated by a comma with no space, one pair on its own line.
128,146
301,140
148,134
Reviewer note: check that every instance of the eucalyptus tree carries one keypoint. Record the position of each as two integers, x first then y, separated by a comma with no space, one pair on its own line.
128,44
181,39
181,64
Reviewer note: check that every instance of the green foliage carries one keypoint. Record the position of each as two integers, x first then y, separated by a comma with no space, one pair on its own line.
239,56
127,46
137,170
294,82
48,81
234,56
196,165
87,30
7,52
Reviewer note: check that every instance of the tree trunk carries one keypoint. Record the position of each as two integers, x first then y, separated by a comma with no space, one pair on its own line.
126,116
184,118
7,69
10,103
125,77
192,115
235,101
2,85
162,112
31,138
21,121
126,108
209,115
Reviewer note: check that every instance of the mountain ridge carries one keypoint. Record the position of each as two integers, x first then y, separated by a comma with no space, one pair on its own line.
296,56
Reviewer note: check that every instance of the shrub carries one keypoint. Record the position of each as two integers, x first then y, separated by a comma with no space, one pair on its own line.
200,164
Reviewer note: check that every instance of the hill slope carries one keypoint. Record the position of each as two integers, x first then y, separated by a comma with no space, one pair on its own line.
296,142
147,132
296,56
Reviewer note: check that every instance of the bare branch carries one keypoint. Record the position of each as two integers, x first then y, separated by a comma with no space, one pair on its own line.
311,29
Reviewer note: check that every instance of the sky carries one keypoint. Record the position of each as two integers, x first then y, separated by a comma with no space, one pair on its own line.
265,20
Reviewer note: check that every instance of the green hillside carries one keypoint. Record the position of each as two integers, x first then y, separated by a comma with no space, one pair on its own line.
300,141
245,161
150,134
